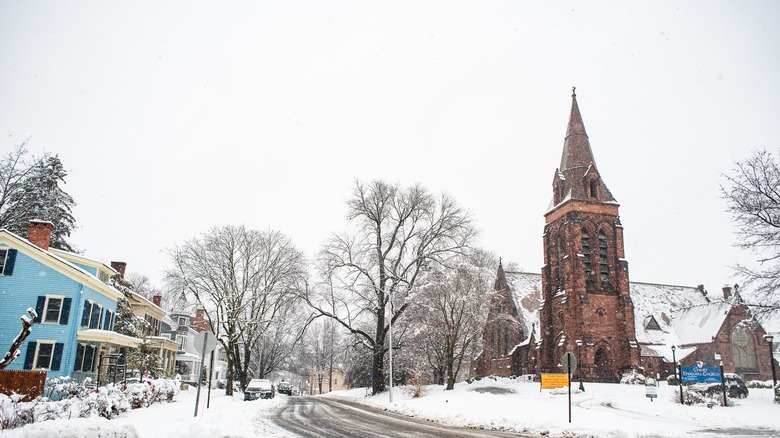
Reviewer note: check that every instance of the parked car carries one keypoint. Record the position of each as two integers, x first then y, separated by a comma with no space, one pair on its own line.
285,388
259,388
736,386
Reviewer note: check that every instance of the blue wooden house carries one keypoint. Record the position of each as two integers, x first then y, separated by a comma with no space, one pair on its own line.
75,305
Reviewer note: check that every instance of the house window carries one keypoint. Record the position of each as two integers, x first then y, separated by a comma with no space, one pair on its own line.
92,314
335,381
85,358
594,188
52,310
586,253
182,321
3,255
44,353
103,276
603,265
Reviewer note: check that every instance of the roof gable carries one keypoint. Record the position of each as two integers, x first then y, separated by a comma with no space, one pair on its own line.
57,263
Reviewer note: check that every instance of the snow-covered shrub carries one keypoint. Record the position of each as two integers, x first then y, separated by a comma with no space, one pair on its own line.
777,393
60,388
633,378
702,394
759,384
77,401
671,380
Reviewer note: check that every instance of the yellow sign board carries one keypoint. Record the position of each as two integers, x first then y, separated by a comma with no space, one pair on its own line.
550,381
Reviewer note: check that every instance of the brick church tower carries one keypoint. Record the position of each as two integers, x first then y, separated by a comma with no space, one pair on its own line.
585,275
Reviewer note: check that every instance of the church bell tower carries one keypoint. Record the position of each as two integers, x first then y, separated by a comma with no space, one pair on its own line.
585,288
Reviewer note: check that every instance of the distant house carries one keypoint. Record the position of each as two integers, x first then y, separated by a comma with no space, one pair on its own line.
153,314
76,307
321,383
182,328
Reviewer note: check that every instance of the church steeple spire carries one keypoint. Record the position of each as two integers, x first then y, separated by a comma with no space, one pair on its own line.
578,172
501,282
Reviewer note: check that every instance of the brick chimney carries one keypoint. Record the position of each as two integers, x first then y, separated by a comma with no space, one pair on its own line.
40,233
157,300
199,323
726,292
119,267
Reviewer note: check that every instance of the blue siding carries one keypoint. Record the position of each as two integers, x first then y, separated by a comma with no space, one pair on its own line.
21,290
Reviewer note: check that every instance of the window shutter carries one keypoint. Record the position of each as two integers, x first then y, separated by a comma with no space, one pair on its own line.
39,309
66,302
85,314
10,259
57,358
106,319
79,356
30,357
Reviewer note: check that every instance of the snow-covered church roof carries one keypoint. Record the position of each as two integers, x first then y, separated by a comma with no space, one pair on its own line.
663,314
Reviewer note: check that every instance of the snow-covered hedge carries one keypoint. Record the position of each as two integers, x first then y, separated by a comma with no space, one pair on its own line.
66,399
633,378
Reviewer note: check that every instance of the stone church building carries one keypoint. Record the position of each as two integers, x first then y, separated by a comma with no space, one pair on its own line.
583,301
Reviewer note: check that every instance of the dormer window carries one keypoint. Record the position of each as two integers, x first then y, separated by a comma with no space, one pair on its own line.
652,324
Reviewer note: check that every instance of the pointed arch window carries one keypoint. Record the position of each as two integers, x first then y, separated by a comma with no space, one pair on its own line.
603,264
742,347
559,273
586,253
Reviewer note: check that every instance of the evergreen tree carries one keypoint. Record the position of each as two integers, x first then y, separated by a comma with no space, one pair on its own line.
40,196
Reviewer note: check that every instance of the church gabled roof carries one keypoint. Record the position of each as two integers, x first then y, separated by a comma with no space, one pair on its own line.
578,166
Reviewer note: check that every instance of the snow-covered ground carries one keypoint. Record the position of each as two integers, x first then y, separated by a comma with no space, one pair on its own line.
602,410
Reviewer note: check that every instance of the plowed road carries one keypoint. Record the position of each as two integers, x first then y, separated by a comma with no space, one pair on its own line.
325,417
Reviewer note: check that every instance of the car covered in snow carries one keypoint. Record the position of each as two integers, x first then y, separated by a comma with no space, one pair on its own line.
259,388
284,388
735,387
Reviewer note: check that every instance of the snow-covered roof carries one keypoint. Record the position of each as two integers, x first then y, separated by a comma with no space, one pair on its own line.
664,315
663,302
526,290
700,324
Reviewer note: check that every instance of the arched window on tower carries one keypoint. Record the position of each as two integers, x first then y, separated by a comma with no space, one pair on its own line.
603,264
586,253
558,267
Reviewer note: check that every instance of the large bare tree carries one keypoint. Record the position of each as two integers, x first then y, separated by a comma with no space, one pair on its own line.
244,279
395,232
752,191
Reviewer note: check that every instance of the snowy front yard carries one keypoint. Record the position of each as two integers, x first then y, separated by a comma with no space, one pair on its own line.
602,410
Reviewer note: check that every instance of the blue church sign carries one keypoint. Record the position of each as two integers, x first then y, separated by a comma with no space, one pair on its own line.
700,373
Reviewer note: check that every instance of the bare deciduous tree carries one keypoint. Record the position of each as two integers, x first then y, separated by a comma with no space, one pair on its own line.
244,279
395,233
752,191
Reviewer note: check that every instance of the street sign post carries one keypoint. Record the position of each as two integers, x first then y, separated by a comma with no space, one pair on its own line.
205,342
569,362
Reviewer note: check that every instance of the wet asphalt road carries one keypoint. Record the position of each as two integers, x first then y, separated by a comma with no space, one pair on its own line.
311,417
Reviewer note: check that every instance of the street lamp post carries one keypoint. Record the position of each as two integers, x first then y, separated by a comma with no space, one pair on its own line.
769,339
579,359
391,347
676,377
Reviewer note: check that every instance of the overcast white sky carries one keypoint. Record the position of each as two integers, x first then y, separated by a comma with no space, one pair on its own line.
175,117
